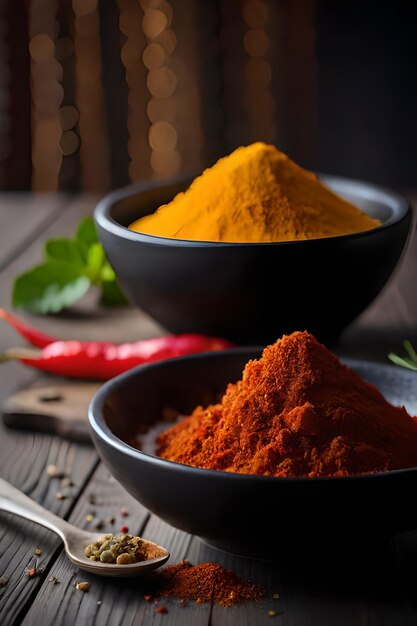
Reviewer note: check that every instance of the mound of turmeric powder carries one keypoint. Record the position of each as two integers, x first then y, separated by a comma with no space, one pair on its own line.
255,194
297,411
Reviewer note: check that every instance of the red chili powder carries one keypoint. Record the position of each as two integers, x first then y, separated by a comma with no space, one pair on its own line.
206,582
297,411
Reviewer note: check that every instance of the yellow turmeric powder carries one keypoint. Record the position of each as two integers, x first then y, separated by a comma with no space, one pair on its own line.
256,194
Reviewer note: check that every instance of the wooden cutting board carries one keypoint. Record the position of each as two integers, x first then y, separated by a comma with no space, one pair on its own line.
60,409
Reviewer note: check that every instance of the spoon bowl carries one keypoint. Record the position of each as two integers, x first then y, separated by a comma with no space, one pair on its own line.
76,542
75,539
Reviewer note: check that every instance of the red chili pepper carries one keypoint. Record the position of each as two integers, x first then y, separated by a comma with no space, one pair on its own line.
35,337
101,360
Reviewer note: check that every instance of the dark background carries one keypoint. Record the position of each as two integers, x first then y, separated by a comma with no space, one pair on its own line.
367,60
332,83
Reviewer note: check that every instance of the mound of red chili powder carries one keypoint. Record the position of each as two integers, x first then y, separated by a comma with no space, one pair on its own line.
297,411
206,582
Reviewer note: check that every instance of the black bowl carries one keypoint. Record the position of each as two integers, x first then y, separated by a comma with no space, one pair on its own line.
253,293
226,509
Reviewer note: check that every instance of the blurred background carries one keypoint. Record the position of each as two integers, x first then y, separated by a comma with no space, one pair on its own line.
97,93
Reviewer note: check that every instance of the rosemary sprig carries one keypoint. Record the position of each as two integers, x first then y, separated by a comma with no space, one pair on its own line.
409,361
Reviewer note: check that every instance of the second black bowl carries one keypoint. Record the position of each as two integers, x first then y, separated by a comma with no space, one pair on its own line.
245,514
253,293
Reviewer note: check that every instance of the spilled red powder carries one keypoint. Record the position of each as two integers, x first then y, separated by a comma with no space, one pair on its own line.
297,411
206,582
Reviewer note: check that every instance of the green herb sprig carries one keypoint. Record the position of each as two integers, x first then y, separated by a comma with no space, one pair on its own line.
409,361
69,269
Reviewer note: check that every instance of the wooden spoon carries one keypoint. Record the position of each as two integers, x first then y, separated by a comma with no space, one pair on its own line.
75,540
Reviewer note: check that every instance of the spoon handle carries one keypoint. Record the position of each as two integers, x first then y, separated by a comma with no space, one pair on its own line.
14,501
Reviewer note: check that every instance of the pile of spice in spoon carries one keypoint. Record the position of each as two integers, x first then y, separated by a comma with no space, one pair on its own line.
122,549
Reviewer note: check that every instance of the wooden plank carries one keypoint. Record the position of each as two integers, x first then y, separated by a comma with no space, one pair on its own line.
25,466
323,589
112,601
25,456
319,591
23,217
86,320
59,409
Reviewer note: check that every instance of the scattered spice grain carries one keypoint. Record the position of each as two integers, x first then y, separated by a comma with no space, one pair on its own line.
161,609
37,552
60,495
124,529
54,472
89,517
99,525
206,582
272,613
83,585
3,582
54,580
32,572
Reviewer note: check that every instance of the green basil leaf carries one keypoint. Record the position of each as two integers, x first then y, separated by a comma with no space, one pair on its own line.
111,294
71,266
50,287
86,235
96,258
64,250
107,272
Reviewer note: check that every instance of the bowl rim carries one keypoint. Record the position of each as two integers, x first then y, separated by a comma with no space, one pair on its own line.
101,430
399,205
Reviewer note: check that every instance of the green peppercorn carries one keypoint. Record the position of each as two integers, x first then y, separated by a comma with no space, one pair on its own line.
104,546
121,549
89,550
107,556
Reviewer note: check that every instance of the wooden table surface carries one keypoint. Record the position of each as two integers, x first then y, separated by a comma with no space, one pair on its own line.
373,587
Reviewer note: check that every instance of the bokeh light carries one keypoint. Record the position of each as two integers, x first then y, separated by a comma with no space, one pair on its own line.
94,152
259,102
162,83
47,95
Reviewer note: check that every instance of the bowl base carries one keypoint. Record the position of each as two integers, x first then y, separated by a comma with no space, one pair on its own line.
338,547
